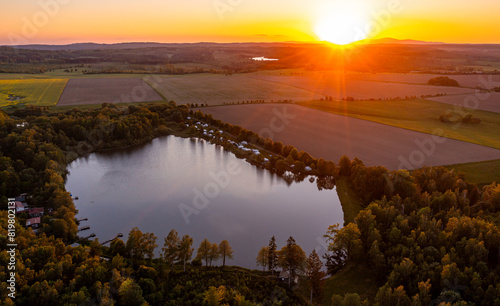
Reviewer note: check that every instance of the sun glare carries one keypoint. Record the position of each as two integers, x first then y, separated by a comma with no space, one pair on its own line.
342,23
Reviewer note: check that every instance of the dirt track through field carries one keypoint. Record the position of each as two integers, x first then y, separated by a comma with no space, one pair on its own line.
330,136
107,90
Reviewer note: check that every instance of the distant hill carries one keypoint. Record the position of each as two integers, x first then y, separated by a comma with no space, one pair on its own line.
139,45
394,41
89,46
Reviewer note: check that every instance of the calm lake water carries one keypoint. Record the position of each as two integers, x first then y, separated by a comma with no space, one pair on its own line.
201,190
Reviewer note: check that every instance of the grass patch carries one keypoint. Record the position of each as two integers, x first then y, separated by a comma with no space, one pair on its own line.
418,115
351,205
33,91
480,173
358,279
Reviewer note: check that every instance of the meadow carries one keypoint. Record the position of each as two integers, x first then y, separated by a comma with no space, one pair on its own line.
32,91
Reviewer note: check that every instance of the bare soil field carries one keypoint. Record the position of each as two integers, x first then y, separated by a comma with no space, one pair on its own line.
108,90
483,101
339,88
220,89
330,136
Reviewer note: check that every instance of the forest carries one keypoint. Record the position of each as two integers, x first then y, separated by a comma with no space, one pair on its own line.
430,236
236,57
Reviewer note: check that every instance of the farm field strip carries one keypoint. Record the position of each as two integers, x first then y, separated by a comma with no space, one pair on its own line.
471,80
219,89
33,91
418,115
109,90
330,136
339,87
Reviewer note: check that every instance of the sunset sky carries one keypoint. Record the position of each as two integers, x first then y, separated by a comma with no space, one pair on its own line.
110,21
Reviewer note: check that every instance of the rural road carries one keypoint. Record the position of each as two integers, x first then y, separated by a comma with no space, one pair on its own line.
330,136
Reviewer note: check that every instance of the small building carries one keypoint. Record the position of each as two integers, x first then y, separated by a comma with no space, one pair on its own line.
33,222
20,206
35,212
284,276
21,198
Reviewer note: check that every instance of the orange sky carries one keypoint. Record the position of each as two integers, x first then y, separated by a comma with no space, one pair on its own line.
69,21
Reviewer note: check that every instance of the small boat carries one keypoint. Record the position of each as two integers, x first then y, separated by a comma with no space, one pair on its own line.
76,198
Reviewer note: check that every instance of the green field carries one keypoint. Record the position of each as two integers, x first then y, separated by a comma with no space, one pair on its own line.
351,206
33,91
480,173
419,115
352,279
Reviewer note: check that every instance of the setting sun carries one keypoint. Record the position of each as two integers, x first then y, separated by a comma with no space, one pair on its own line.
342,23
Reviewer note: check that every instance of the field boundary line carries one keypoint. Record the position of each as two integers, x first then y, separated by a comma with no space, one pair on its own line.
62,92
157,91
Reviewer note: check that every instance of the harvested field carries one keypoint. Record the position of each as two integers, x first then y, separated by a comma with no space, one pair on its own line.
220,89
339,88
37,92
330,136
483,101
109,90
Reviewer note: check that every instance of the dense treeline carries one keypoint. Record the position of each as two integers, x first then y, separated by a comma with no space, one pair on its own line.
430,236
443,81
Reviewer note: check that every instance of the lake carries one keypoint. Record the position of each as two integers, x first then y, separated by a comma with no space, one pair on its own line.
201,190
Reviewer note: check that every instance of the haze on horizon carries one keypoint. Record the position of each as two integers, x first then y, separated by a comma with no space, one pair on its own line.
112,21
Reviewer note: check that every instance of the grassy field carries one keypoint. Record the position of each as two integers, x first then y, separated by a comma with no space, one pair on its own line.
38,92
351,206
352,279
419,115
480,173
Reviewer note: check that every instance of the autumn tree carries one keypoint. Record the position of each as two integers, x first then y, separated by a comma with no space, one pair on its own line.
171,248
292,258
263,257
204,251
272,257
185,249
225,250
141,245
213,254
315,275
346,239
130,293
